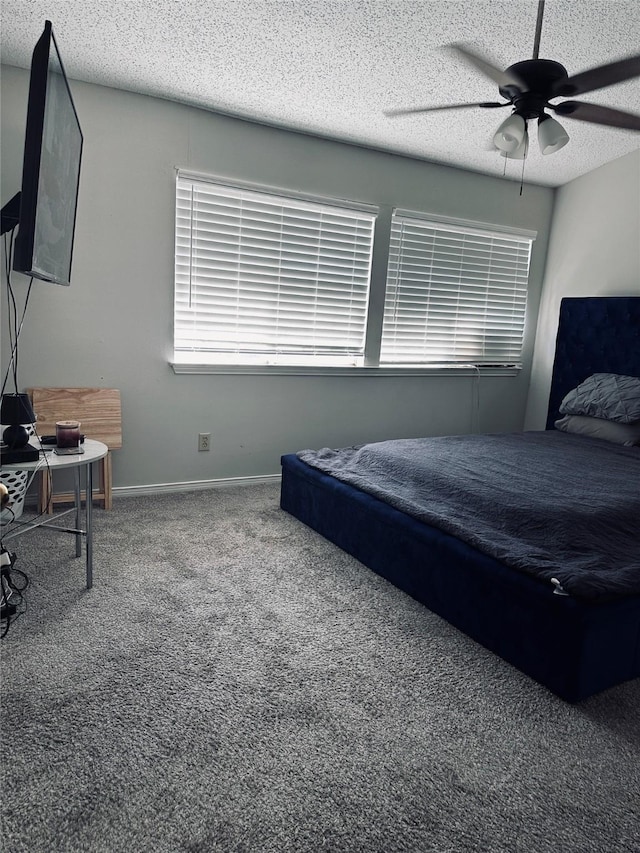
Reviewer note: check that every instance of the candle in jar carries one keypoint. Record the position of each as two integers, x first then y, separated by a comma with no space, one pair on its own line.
68,433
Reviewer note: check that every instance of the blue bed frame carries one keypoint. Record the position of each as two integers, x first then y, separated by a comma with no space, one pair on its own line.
575,648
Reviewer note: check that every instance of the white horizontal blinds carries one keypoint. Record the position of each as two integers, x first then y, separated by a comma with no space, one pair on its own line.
260,276
455,294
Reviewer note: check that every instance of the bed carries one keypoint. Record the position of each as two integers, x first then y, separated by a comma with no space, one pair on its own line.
575,638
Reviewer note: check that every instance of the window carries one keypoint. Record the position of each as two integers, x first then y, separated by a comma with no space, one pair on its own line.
266,279
456,293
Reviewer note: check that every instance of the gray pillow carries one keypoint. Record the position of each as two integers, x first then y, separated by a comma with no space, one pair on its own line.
605,395
628,434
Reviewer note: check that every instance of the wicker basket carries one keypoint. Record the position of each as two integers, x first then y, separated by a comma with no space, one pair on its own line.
17,483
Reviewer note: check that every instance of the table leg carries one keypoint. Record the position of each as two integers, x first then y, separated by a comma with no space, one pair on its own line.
78,500
89,533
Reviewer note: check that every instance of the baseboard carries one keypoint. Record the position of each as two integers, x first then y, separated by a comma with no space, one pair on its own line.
192,485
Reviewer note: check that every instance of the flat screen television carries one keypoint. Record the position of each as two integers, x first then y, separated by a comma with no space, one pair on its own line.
51,170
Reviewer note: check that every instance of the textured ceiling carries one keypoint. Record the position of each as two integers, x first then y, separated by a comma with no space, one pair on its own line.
331,67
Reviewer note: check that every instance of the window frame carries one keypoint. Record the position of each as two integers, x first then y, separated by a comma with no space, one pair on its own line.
438,230
193,363
293,254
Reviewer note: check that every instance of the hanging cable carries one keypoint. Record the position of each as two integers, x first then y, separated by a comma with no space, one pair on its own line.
15,328
13,582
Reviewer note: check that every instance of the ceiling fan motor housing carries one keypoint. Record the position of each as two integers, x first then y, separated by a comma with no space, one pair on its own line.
541,79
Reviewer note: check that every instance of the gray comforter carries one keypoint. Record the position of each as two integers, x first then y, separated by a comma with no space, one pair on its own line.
548,503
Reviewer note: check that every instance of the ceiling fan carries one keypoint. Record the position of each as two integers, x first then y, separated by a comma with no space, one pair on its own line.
531,85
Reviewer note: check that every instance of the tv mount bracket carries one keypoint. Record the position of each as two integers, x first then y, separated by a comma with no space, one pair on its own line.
11,214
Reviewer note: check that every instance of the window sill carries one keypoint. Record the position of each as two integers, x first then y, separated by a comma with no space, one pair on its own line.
319,370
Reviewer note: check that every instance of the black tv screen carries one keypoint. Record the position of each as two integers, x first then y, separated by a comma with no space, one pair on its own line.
51,169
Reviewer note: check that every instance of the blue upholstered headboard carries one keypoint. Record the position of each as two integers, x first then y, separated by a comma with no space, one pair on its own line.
596,334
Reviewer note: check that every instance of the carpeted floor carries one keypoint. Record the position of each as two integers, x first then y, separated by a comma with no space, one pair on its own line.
234,683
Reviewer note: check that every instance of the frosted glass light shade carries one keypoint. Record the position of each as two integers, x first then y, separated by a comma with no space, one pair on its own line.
520,153
551,135
510,134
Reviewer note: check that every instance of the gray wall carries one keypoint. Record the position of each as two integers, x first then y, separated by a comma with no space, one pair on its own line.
594,251
113,326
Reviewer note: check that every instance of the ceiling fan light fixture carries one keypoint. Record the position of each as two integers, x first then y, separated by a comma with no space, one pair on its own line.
520,153
551,135
511,133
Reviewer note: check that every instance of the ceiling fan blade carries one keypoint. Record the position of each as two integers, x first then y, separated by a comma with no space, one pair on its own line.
597,114
502,78
405,112
598,78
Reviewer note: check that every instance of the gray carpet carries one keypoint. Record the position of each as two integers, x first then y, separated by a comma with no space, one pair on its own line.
235,683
